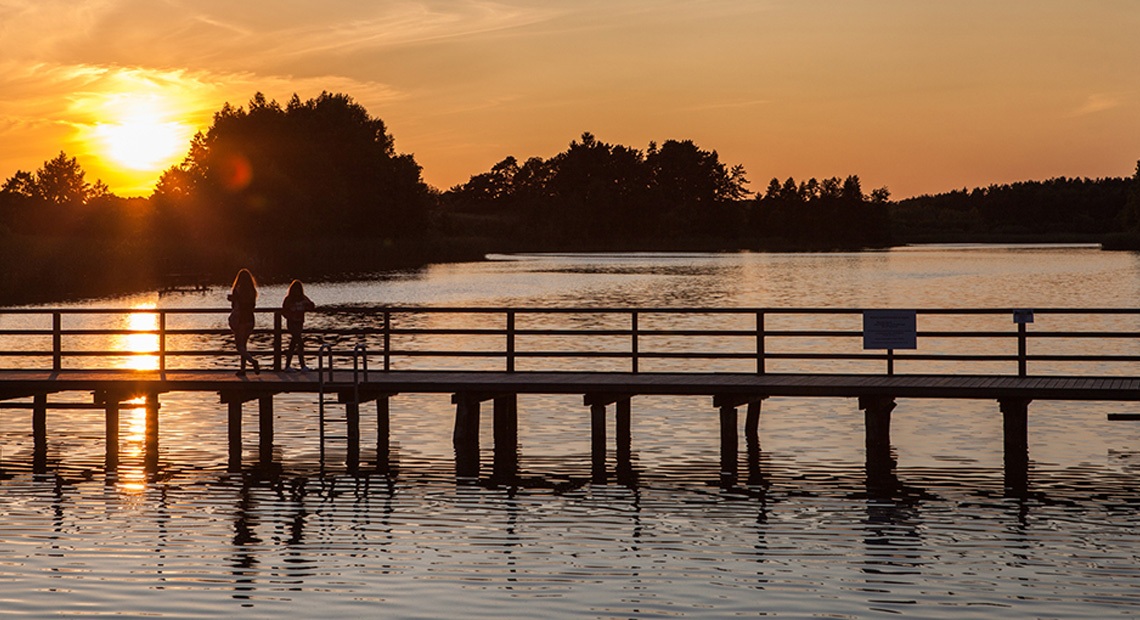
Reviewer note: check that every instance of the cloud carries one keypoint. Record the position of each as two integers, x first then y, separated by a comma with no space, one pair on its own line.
227,35
1098,102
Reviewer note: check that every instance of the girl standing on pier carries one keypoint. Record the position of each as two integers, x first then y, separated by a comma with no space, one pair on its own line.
294,307
243,299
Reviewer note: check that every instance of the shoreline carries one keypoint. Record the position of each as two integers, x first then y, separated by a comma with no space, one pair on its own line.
108,269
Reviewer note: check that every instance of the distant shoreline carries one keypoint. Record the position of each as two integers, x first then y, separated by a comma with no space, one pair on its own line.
59,280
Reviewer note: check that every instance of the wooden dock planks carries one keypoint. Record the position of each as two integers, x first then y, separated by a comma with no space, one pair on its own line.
20,384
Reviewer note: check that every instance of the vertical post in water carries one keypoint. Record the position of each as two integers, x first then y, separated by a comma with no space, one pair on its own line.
265,430
877,418
623,436
1015,427
729,444
352,424
111,459
39,433
466,435
752,441
596,404
506,431
151,452
234,433
383,433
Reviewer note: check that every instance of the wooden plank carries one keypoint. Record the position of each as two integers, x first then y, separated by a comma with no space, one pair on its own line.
222,380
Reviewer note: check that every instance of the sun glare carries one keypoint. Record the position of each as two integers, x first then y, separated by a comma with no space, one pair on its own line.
140,138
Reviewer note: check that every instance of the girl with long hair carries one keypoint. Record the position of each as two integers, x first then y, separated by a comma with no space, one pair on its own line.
293,308
243,300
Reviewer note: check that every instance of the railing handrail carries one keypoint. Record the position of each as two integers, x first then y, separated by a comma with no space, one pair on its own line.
370,309
395,337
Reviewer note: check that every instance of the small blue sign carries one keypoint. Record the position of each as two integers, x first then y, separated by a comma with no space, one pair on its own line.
890,329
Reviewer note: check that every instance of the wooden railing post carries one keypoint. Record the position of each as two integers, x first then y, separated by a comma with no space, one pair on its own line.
634,344
162,341
276,340
1021,350
760,344
387,340
56,341
510,340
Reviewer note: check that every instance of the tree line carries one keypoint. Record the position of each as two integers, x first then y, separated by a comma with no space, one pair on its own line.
316,188
1084,209
671,196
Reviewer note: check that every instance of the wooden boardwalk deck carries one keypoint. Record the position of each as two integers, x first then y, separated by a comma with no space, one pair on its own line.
19,383
737,356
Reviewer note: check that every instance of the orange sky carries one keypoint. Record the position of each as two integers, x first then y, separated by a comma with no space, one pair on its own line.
918,96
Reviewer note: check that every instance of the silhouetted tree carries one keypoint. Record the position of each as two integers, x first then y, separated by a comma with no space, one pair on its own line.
52,200
1130,214
820,215
60,181
595,193
1059,206
317,168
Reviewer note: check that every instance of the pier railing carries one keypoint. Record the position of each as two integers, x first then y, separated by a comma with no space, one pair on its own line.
1099,341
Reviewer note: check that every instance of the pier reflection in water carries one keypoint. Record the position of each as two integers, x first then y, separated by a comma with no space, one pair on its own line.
816,522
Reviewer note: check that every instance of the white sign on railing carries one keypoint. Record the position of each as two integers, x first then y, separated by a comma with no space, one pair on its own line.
890,329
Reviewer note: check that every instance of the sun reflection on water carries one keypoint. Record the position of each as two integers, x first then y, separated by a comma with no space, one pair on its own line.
132,449
142,321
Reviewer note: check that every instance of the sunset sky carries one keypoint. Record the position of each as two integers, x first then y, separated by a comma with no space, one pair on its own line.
918,96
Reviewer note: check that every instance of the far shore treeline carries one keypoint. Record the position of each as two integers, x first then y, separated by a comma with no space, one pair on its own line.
316,189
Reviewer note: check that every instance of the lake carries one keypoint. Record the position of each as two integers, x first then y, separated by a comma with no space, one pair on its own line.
810,538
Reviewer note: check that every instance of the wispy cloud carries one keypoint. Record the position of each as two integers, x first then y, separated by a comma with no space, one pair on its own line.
1098,102
222,34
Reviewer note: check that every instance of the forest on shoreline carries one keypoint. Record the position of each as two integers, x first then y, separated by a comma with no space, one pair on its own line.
315,189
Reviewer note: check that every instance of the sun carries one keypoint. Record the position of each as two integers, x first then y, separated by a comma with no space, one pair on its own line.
140,137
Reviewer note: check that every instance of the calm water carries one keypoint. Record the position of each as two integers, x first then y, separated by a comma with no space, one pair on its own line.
807,539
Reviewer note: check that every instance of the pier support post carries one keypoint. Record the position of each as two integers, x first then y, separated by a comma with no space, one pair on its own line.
598,442
234,400
111,423
39,433
352,435
265,430
233,419
151,455
1015,426
729,435
877,419
506,431
352,399
383,434
597,404
729,444
624,437
752,439
466,435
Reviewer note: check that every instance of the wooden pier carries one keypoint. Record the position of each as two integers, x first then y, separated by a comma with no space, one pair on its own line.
735,357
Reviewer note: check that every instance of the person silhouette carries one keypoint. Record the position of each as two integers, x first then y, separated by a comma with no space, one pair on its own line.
293,308
243,300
